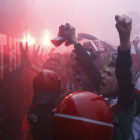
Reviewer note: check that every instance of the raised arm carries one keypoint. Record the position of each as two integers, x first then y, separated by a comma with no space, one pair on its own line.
21,62
91,71
36,59
124,63
51,52
27,59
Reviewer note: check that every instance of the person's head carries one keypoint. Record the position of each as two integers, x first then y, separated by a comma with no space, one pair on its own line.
109,81
54,64
58,55
46,87
69,70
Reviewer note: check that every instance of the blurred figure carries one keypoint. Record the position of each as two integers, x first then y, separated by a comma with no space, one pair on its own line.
46,87
119,86
52,64
101,84
79,73
79,69
95,56
63,60
71,84
63,65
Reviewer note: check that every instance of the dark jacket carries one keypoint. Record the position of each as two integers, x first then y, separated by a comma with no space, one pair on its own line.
86,62
126,95
40,121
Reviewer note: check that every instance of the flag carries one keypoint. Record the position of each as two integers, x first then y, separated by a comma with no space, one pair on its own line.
137,87
86,36
109,47
98,46
133,52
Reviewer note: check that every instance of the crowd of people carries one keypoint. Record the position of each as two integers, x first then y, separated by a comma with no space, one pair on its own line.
66,84
78,72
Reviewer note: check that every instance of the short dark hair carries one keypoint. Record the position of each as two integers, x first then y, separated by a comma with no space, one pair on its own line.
55,59
112,64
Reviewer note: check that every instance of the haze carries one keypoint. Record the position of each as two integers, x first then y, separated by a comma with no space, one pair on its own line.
95,17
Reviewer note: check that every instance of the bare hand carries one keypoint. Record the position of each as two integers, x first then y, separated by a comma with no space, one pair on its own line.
124,26
23,51
36,53
70,34
21,48
42,50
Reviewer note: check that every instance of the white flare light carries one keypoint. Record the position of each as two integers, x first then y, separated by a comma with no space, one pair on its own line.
46,39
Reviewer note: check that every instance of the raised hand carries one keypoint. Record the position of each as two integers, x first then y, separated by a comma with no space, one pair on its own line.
26,48
42,51
21,48
124,26
70,34
36,53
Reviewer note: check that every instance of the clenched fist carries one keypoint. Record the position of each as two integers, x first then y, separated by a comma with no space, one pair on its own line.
70,34
124,26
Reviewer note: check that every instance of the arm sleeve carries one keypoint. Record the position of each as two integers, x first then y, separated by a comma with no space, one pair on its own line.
124,78
91,71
